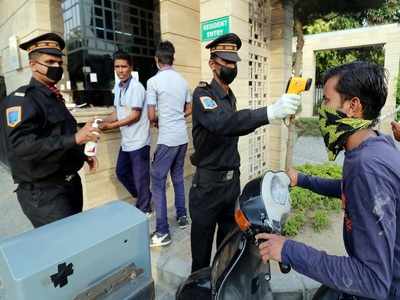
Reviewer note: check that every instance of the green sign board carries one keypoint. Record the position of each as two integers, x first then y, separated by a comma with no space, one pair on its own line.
212,29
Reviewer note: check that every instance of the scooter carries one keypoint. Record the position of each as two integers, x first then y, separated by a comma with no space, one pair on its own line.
237,271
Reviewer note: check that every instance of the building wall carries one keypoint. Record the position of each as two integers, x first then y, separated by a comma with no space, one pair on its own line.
179,23
25,19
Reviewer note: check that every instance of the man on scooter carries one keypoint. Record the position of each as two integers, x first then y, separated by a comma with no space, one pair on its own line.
354,95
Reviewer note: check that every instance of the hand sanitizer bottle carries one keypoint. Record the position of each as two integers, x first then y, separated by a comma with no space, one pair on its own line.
91,146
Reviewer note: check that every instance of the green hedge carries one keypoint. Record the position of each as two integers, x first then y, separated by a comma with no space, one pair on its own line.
311,208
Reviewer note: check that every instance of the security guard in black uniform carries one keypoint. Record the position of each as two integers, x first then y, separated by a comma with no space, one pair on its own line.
217,126
45,151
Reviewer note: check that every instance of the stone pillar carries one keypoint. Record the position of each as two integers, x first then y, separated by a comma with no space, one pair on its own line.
309,69
392,64
179,23
281,70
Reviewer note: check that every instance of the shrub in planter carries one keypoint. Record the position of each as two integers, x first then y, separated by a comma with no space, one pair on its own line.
311,208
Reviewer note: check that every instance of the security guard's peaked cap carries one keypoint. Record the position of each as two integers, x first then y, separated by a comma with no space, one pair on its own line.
49,43
226,47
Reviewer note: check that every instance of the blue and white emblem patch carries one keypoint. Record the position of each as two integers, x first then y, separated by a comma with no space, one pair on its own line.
13,116
208,103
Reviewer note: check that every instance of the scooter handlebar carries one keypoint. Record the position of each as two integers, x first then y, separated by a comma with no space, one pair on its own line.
284,268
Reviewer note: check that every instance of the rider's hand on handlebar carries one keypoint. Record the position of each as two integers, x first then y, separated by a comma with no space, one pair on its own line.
271,247
293,175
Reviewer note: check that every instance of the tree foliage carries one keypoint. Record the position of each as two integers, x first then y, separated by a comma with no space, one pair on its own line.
314,16
387,13
328,59
309,11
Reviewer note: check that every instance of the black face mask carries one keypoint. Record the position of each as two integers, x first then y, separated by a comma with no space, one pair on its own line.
53,73
227,75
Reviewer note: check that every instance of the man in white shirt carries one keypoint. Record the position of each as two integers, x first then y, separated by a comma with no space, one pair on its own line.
130,117
169,101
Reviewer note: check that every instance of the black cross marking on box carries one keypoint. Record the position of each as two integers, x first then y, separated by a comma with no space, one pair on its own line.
61,277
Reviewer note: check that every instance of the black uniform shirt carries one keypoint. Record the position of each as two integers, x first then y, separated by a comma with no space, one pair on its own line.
217,126
40,134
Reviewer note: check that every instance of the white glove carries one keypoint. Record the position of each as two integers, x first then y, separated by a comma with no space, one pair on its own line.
285,106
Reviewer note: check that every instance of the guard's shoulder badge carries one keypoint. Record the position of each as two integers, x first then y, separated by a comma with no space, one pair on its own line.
208,103
202,84
14,115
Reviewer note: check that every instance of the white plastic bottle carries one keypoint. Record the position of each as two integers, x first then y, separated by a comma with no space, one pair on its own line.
91,147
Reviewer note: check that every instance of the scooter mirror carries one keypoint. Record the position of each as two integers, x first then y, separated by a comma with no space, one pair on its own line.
276,198
264,204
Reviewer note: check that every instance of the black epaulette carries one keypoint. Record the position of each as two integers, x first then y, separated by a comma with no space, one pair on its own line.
203,84
21,91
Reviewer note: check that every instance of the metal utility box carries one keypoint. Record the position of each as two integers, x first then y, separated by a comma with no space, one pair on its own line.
102,253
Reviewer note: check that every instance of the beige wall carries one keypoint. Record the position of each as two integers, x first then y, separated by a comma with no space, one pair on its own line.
25,19
387,35
179,23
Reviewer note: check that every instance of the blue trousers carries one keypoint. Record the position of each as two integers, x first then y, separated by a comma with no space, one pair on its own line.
133,172
167,159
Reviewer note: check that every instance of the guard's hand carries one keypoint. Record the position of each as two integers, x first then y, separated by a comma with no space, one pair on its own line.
285,106
93,163
272,247
396,130
293,175
87,133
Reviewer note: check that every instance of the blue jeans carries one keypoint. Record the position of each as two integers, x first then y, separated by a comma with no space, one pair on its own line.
133,172
167,159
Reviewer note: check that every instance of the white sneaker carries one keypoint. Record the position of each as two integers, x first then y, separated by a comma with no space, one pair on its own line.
158,239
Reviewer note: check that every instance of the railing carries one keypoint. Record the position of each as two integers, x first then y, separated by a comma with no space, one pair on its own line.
318,97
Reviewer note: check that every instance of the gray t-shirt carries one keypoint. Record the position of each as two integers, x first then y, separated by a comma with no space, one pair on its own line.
136,135
169,92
